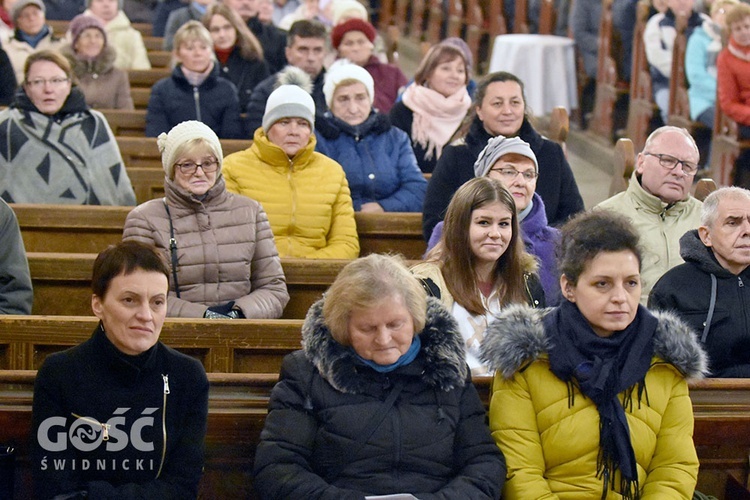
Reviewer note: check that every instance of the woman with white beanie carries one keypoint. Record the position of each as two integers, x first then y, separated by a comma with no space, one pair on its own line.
304,192
221,251
378,159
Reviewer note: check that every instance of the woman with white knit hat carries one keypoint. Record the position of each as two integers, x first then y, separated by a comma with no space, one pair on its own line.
221,251
378,158
304,192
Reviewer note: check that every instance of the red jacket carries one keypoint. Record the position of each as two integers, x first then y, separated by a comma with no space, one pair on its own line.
733,68
388,80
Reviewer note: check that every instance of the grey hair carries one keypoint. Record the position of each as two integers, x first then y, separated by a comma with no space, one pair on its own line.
670,128
710,210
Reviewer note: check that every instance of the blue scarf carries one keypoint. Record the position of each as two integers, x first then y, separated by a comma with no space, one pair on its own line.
34,40
405,358
602,368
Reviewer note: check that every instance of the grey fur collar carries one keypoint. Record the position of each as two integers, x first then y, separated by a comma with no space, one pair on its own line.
517,337
442,350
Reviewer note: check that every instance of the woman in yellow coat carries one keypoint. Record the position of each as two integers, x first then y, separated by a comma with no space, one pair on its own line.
590,399
304,193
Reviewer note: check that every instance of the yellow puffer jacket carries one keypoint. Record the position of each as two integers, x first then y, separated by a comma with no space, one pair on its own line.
550,436
306,198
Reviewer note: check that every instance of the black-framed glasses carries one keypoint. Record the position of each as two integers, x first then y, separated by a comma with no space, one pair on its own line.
670,162
190,167
511,173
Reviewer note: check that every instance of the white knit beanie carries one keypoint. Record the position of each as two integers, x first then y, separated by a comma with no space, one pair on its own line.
341,70
180,134
288,101
350,8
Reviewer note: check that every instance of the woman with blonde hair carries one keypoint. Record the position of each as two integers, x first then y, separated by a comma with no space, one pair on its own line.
433,107
379,401
195,90
480,265
224,262
238,51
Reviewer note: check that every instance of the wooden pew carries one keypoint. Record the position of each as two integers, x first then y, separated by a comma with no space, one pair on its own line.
726,147
126,122
90,229
642,108
62,283
153,43
140,97
238,346
146,78
609,88
142,152
237,409
60,27
160,58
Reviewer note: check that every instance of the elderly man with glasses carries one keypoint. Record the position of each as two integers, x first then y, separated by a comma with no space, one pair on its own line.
658,200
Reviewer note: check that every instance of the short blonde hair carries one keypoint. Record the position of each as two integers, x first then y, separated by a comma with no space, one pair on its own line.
737,14
365,282
192,31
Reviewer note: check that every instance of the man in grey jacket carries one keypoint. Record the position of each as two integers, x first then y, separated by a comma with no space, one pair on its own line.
16,294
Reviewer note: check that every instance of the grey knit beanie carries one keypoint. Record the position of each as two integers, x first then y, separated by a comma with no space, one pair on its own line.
498,147
180,134
15,11
288,101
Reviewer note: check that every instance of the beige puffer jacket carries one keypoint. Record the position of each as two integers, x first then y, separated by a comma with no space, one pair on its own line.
225,251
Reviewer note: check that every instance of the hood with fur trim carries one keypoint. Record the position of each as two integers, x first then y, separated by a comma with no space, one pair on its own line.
517,337
442,349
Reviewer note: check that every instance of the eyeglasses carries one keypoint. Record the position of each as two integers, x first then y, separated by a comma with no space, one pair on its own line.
511,173
189,167
670,162
53,82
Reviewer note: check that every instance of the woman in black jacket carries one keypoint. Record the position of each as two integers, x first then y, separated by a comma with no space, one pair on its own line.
195,90
121,415
239,52
500,109
379,401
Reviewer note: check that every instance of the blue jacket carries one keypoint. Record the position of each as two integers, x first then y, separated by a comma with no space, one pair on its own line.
378,160
700,69
214,102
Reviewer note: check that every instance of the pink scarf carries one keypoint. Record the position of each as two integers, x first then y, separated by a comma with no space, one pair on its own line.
436,117
195,78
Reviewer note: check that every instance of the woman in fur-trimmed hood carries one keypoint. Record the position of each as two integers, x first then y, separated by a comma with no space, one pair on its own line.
379,401
598,361
93,63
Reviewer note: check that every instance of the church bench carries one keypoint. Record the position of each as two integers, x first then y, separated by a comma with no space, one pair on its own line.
90,229
62,283
238,346
142,152
126,122
237,409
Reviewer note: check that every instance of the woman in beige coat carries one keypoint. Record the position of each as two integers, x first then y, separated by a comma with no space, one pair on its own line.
224,262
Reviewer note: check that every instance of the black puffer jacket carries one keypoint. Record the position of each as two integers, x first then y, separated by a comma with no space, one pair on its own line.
555,184
687,289
433,443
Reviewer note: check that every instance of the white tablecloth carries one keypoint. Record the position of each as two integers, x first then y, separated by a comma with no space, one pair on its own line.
546,65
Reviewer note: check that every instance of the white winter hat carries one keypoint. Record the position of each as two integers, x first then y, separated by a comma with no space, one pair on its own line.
350,8
288,101
343,69
169,144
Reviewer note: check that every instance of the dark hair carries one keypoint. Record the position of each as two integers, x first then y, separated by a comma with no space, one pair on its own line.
456,258
437,55
124,258
591,233
481,92
305,28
